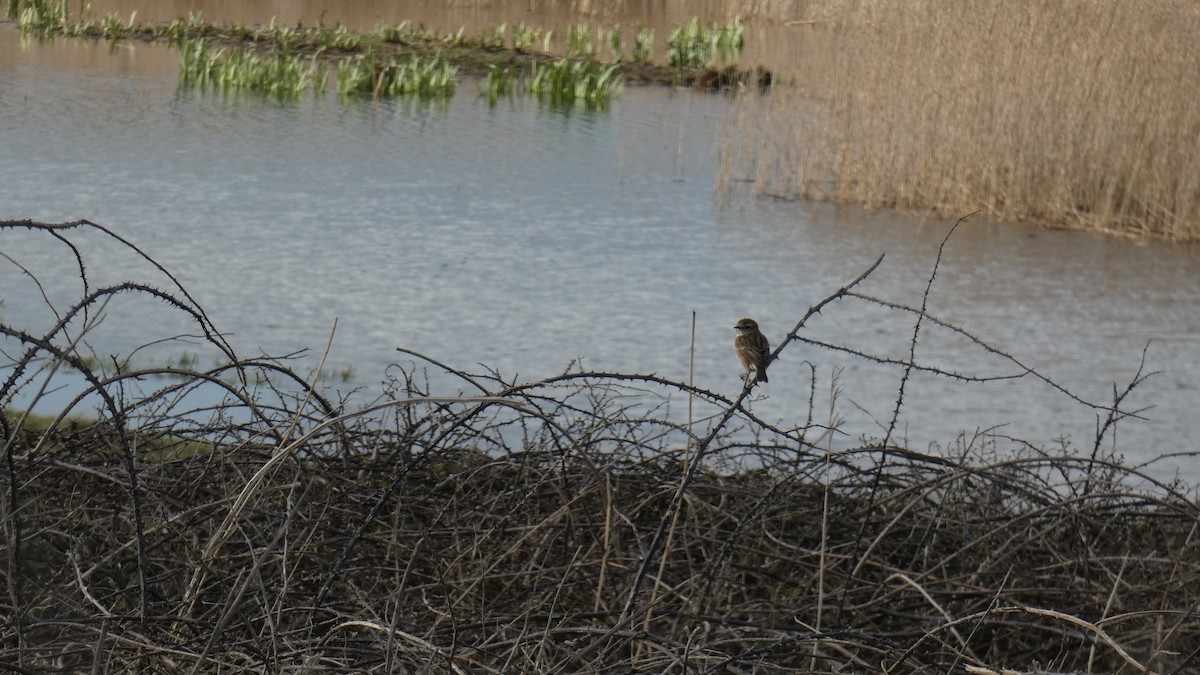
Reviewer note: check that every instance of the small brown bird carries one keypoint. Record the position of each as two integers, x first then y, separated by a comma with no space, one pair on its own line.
752,348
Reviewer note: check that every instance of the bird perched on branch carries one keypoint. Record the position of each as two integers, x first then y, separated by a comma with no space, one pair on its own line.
752,348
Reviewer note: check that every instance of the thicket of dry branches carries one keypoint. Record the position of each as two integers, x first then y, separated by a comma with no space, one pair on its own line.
557,526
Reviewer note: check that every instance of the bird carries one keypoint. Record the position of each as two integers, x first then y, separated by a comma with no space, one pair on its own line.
752,348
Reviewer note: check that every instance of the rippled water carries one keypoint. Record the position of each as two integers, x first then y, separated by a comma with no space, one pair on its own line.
523,238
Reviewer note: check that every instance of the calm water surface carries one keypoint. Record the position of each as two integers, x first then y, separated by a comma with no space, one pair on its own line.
523,239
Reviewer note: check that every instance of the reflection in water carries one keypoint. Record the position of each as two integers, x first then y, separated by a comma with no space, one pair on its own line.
522,239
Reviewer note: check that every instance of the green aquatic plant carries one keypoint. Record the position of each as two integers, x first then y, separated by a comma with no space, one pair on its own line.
286,39
561,83
567,82
45,17
283,76
454,38
197,64
319,76
694,45
614,43
688,45
192,27
114,29
643,45
579,40
401,32
728,40
424,77
39,16
283,61
339,38
500,82
524,37
493,38
240,33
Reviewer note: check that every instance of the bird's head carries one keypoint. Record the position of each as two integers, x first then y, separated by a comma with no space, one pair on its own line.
746,325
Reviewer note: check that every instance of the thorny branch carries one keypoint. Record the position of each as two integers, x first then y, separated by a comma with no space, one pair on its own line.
515,528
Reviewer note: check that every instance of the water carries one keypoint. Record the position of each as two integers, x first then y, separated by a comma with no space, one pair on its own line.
525,239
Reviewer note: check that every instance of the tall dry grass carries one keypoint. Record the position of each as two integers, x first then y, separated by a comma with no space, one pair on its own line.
1076,114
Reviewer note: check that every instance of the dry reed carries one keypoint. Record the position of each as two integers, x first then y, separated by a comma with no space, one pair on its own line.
510,530
1076,114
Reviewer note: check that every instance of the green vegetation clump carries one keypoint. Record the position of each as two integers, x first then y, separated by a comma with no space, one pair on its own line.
389,77
583,43
643,46
502,82
579,40
567,82
493,38
525,37
397,33
695,45
285,76
38,16
229,71
339,39
47,18
191,28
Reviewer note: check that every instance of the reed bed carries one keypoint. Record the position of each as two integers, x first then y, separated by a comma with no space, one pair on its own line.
564,525
1076,114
